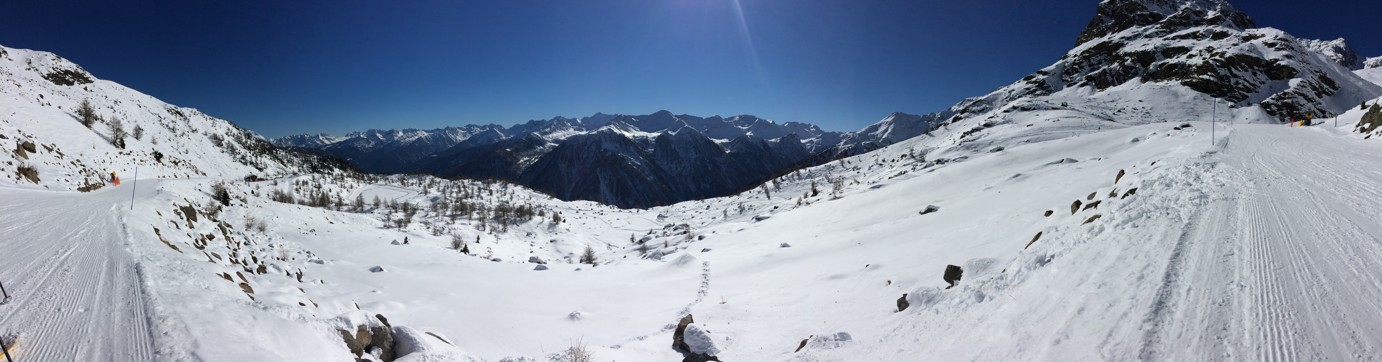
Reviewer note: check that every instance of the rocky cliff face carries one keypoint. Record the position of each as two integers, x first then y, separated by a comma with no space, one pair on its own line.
1207,46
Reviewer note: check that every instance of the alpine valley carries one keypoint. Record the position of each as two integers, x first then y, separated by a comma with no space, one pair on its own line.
1182,184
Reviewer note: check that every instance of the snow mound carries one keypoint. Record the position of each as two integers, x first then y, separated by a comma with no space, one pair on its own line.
701,341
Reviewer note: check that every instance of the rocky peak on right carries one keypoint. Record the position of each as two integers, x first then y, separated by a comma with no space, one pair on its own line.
1114,16
1213,48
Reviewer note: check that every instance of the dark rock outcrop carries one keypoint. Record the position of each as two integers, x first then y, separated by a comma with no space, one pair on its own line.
1371,120
953,273
1114,16
679,335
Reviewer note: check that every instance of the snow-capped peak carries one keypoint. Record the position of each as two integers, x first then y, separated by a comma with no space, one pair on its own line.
1114,16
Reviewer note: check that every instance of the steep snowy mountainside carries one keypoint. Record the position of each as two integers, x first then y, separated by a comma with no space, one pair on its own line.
1374,62
41,129
1202,46
1371,74
1336,50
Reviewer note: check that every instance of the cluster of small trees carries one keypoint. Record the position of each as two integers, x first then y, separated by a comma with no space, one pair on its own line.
86,114
489,205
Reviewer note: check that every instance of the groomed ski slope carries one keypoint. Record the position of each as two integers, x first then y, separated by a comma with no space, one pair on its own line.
76,291
1264,247
1309,250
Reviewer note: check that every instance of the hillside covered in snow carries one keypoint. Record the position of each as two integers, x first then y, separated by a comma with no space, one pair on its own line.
1141,198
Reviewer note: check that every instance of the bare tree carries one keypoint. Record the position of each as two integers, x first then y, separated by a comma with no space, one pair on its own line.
117,132
86,113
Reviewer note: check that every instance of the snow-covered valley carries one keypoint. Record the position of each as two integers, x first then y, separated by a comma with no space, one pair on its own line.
1143,219
1264,246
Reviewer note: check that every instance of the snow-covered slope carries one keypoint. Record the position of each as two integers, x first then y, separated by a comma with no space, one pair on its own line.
1178,261
1136,221
40,97
1187,47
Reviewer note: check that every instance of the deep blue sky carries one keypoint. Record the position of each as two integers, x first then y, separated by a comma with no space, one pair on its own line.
285,67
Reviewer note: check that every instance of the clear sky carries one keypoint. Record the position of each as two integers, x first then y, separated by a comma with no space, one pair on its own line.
287,67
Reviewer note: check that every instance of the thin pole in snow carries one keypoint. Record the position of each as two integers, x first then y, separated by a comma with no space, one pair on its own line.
134,186
5,348
1213,121
2,290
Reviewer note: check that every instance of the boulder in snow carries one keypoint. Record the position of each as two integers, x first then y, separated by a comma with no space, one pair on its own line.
700,344
785,245
679,336
930,209
901,304
376,269
536,260
540,267
411,345
953,273
830,341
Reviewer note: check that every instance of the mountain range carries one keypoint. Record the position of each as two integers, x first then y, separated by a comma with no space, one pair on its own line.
624,160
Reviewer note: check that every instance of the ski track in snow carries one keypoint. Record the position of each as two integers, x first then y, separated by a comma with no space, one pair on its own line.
1315,296
1283,267
77,294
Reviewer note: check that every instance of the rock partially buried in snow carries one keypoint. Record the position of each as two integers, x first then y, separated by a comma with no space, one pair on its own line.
376,269
930,209
785,245
700,344
953,273
540,267
536,260
679,335
830,341
395,242
1063,160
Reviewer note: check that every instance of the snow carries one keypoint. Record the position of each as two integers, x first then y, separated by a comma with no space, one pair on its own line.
1373,74
1185,268
700,341
1259,244
72,277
